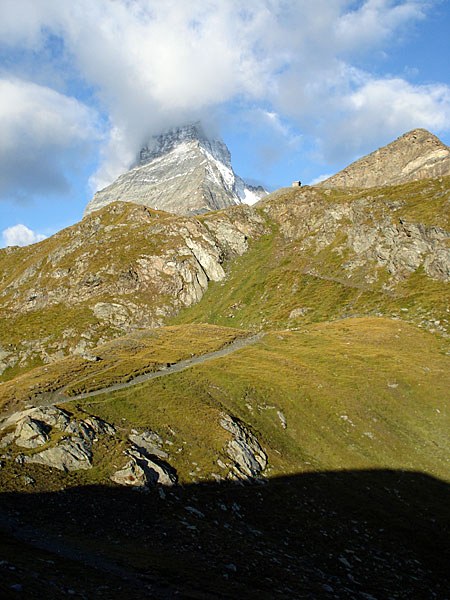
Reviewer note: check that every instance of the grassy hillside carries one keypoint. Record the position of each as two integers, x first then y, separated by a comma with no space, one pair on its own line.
347,399
117,361
123,268
365,402
356,394
308,271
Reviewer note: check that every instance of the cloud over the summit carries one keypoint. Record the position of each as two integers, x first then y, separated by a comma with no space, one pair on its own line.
151,64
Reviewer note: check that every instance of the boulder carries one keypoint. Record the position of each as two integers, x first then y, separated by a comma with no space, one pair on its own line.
243,449
98,426
30,433
143,471
131,474
71,454
50,415
148,442
7,439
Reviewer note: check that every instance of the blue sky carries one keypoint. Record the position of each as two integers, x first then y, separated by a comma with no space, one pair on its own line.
297,89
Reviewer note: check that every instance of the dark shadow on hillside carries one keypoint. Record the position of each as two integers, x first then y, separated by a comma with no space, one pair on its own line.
358,534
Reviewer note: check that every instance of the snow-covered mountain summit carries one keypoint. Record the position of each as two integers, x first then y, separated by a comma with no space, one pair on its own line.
180,171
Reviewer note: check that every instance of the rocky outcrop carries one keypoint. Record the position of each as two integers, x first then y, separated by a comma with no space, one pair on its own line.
145,466
249,459
129,268
415,155
73,451
402,248
368,232
71,454
34,428
182,172
30,433
148,442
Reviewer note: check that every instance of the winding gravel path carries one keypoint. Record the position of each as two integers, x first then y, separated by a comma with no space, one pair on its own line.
59,397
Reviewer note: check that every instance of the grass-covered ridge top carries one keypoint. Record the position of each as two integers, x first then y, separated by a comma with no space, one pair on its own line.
425,201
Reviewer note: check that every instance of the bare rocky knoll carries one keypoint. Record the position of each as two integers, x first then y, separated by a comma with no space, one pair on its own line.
415,155
123,268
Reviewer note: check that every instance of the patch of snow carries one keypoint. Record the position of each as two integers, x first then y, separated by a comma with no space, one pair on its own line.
225,171
250,197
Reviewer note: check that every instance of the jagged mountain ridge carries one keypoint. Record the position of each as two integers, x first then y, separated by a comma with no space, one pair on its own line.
418,154
181,171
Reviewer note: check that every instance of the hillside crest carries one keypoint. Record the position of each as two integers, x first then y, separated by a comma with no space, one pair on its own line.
417,154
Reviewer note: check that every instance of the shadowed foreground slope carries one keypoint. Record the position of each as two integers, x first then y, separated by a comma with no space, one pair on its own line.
349,534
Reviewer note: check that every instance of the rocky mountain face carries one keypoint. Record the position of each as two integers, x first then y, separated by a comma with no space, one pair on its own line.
123,267
415,155
340,253
182,172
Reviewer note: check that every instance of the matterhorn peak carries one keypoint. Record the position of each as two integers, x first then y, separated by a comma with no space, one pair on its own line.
182,171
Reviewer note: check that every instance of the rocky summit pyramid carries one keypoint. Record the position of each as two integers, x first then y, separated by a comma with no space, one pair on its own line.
415,155
181,171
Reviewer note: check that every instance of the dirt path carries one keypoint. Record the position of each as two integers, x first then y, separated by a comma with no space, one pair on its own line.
59,397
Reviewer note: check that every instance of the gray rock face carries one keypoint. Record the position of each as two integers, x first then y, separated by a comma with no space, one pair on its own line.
143,470
30,433
404,247
415,155
183,172
50,415
389,241
243,449
148,442
170,261
71,453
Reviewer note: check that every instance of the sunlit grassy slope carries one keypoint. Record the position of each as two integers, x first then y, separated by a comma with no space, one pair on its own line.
356,394
357,389
348,400
360,393
117,361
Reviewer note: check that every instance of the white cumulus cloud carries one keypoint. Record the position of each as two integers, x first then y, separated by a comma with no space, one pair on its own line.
20,235
42,134
320,178
155,63
382,109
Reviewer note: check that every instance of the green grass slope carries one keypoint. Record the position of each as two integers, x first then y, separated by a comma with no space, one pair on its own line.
117,361
355,494
355,394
